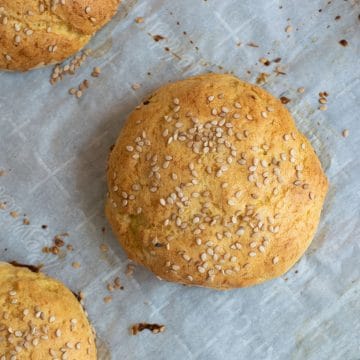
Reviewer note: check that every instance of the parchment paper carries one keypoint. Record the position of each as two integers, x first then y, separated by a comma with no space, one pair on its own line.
53,148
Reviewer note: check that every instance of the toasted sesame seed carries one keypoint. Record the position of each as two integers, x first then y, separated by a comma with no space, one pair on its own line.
301,90
275,260
345,133
201,269
252,254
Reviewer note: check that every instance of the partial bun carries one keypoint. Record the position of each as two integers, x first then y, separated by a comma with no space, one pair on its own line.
38,33
41,319
211,184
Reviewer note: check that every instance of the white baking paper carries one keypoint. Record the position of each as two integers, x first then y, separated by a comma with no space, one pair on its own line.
53,148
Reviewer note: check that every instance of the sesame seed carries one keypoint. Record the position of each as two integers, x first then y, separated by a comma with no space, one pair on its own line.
201,269
252,254
286,137
264,114
275,260
345,133
311,195
301,90
237,105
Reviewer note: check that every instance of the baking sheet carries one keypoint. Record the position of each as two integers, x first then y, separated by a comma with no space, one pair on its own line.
54,147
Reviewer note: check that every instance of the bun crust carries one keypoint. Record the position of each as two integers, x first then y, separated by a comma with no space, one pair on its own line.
41,319
38,33
211,184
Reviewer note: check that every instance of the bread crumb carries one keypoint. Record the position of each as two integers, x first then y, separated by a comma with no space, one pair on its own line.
154,328
130,269
107,299
14,214
136,86
288,29
2,172
96,72
104,248
345,133
2,206
343,43
76,265
139,20
301,90
26,221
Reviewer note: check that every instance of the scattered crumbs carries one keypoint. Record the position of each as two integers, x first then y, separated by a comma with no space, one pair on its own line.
279,71
107,299
251,44
284,100
117,284
265,61
262,78
26,221
139,20
104,248
158,37
136,86
96,72
154,328
14,214
343,43
84,85
130,269
288,29
345,133
301,90
76,265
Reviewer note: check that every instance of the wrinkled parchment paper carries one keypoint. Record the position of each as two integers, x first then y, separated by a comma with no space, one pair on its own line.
53,148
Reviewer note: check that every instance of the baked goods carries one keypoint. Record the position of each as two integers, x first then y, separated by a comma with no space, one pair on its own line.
211,184
37,33
41,319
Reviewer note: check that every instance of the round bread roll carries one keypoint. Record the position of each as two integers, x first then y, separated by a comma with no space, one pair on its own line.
38,33
41,319
211,184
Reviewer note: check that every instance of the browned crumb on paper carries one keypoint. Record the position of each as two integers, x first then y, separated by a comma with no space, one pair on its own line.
139,20
2,172
343,42
14,214
284,100
154,328
158,37
262,78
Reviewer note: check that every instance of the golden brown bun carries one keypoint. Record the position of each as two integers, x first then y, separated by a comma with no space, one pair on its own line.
41,319
38,33
211,184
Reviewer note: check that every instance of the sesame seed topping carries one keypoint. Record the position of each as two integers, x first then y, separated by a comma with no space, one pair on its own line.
275,260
